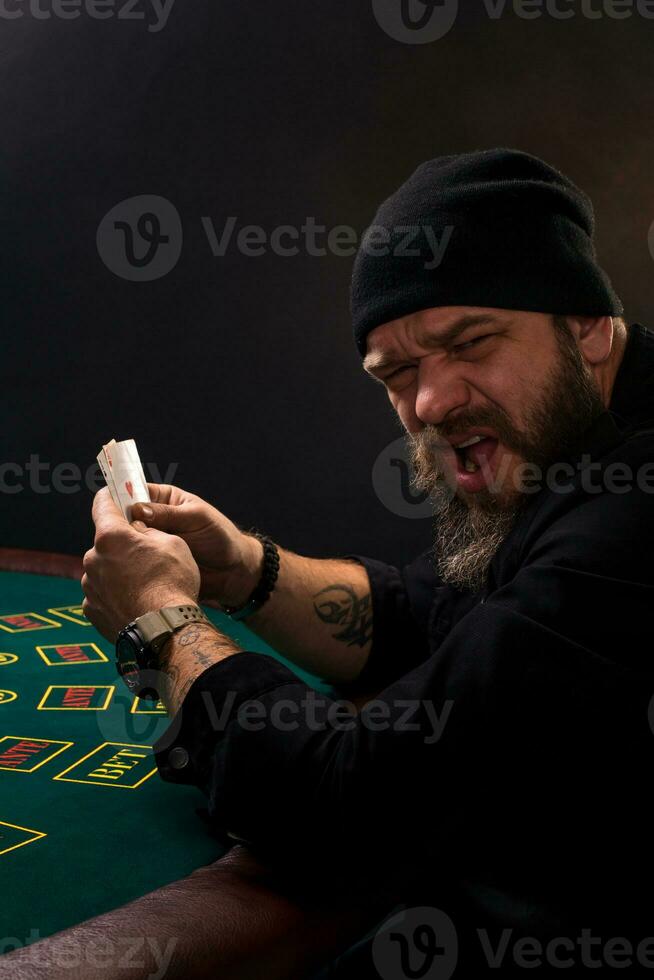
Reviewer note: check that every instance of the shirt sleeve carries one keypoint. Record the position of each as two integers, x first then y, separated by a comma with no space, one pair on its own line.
401,600
536,699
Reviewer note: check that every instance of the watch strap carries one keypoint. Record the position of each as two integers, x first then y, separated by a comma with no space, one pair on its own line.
156,627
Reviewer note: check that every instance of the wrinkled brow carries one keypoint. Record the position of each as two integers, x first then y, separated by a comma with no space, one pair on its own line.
378,361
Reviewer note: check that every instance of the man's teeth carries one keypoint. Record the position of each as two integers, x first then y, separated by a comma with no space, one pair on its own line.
470,442
470,466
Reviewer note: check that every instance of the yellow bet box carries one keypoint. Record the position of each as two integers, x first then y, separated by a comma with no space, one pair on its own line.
25,622
73,614
19,754
57,654
78,697
139,708
112,764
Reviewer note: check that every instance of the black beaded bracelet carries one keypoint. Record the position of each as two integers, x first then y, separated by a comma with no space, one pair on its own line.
266,584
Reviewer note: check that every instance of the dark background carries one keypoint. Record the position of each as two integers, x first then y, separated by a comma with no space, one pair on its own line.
239,369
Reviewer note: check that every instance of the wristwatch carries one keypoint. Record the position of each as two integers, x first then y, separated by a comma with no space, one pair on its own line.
138,646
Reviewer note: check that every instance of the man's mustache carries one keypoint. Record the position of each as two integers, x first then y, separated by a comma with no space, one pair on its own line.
430,447
438,441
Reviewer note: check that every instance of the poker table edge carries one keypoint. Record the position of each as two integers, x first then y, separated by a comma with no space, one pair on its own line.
40,563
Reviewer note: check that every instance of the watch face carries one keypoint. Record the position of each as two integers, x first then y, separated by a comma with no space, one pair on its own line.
127,650
131,661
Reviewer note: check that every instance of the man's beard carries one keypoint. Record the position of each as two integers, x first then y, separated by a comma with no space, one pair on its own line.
467,536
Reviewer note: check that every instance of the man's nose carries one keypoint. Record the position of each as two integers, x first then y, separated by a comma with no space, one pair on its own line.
440,391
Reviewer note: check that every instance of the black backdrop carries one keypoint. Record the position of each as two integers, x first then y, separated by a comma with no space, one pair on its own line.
240,369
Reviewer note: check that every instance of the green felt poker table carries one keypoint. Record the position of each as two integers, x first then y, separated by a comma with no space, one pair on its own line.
78,782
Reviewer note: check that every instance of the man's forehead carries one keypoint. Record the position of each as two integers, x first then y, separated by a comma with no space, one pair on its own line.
438,324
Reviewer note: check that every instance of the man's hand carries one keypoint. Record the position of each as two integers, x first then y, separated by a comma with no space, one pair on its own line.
132,570
230,561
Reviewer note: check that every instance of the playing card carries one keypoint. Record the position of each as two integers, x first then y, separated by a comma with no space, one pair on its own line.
126,478
108,478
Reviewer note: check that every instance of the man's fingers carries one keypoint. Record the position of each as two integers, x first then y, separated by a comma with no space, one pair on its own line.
158,537
162,493
159,492
167,517
106,515
88,590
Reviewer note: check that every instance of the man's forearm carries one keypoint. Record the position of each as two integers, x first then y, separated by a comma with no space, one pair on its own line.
319,615
233,919
186,655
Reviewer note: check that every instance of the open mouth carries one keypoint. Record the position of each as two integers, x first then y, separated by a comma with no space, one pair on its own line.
465,462
474,453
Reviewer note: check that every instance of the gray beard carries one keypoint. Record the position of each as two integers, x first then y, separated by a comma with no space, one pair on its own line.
466,540
468,536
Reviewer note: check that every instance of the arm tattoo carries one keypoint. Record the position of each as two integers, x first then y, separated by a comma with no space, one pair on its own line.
190,635
177,683
340,605
189,654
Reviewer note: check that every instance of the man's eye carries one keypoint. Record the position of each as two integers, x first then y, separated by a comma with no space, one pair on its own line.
397,372
469,343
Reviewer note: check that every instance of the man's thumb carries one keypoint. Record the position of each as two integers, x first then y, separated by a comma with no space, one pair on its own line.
163,517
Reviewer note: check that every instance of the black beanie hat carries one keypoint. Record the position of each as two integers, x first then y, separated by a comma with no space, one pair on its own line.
496,228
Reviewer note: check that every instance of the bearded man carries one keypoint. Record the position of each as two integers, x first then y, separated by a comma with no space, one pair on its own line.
495,782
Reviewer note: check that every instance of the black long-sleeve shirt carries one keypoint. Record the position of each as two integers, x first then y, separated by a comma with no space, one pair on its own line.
503,772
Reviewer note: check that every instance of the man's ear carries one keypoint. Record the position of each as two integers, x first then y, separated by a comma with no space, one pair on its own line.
594,336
